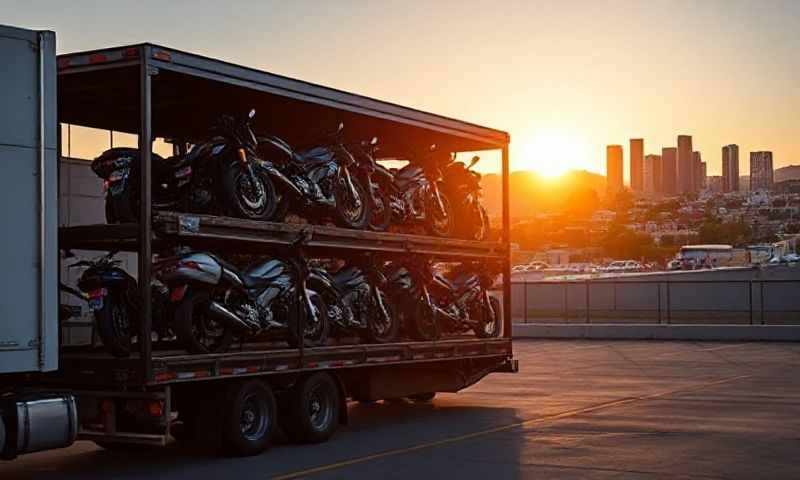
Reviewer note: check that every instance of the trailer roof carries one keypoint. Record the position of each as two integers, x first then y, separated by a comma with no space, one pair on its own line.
101,89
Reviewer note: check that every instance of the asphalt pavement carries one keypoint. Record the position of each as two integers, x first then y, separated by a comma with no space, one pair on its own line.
576,409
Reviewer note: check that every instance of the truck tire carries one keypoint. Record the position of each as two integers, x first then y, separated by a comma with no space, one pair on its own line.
312,411
249,418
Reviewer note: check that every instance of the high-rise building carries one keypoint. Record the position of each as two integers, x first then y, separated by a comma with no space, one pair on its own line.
669,171
703,175
684,167
761,174
614,181
651,175
730,168
697,165
637,158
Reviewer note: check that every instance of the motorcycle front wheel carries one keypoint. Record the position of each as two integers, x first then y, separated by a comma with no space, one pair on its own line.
315,323
114,325
383,326
420,322
243,198
381,216
490,322
194,327
439,223
353,209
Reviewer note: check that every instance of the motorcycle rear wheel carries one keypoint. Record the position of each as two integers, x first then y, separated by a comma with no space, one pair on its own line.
194,327
114,325
314,335
379,331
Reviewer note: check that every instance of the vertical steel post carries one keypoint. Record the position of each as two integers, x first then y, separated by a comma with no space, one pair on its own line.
588,303
145,223
506,238
750,299
525,301
566,301
658,291
669,307
761,301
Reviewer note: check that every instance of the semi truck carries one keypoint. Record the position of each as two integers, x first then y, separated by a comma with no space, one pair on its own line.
54,392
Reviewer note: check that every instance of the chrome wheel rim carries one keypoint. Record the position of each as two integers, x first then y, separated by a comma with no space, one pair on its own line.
320,408
253,419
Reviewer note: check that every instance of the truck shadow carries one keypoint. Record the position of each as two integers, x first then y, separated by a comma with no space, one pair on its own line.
383,439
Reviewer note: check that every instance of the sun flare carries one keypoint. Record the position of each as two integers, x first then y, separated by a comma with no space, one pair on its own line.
552,153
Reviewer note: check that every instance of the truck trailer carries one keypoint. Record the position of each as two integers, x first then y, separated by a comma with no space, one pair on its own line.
53,392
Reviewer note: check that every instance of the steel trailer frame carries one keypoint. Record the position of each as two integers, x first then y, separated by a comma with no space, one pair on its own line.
291,98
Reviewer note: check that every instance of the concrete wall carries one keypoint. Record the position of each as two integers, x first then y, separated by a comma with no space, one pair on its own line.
662,298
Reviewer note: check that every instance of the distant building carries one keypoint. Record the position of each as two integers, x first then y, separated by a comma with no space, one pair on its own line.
697,173
637,160
669,168
651,175
703,175
614,181
685,167
730,168
714,183
761,173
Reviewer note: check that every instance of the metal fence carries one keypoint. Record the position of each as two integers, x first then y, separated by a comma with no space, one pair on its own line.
766,302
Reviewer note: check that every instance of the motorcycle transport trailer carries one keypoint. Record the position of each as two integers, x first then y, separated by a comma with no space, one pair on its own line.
60,392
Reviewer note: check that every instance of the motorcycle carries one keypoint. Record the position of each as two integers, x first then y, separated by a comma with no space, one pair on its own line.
369,172
464,302
321,181
357,301
420,187
463,187
215,301
434,305
113,296
220,175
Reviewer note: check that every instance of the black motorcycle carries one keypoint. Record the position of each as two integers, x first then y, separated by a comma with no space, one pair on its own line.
463,187
410,293
113,295
464,302
420,186
216,301
357,301
219,175
379,185
322,182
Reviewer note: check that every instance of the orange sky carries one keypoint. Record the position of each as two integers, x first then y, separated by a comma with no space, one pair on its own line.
564,78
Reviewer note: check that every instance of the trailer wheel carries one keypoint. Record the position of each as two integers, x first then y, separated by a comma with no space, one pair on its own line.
422,397
249,422
312,413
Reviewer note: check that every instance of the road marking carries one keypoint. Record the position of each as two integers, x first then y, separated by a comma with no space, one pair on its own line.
503,428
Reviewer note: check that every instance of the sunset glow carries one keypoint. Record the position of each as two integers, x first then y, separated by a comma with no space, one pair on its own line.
551,153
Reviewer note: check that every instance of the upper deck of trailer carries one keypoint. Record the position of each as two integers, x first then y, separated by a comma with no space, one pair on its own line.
100,89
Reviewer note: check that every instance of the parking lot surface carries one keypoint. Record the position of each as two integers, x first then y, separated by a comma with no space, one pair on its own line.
576,409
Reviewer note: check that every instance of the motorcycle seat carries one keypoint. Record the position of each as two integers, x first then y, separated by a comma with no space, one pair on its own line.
263,273
314,156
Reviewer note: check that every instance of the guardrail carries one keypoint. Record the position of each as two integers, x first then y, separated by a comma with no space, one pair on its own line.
685,302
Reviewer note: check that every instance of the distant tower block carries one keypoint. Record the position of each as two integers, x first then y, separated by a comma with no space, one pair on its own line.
697,164
651,175
685,167
761,173
730,168
669,167
637,160
613,169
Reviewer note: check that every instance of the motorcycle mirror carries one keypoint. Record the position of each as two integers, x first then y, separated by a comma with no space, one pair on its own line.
252,114
341,127
474,160
374,141
432,148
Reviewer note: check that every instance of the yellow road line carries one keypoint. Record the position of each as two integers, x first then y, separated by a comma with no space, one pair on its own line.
533,421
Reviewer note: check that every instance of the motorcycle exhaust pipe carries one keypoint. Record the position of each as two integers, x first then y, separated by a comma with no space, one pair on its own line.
224,315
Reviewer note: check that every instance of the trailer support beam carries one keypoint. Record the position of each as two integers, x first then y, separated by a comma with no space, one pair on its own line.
506,237
145,220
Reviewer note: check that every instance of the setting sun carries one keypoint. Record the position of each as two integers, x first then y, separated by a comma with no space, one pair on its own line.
551,153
